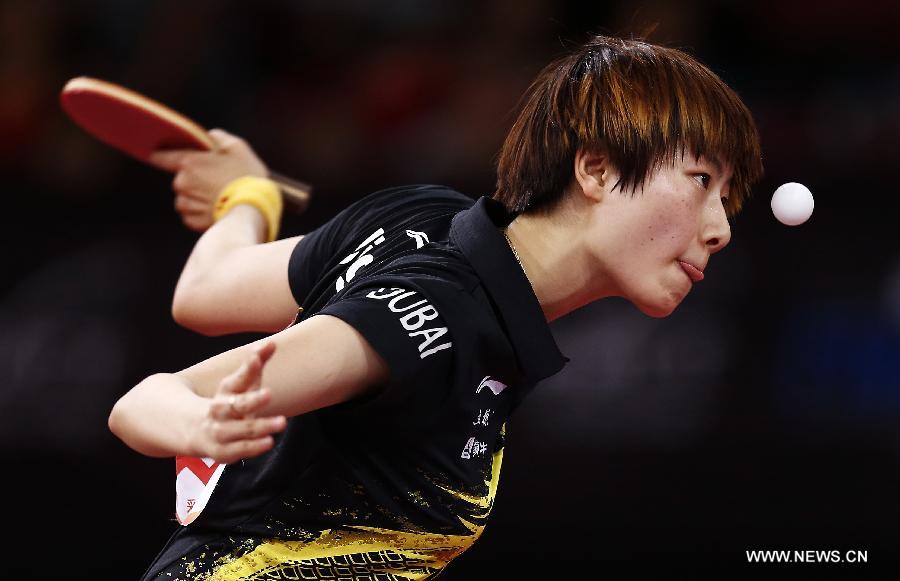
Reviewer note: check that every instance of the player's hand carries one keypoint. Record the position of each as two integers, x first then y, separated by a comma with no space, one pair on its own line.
231,430
201,175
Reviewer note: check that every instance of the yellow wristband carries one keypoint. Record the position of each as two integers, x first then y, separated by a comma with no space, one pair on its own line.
261,193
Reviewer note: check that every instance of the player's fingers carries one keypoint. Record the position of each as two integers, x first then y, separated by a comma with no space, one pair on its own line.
186,204
249,376
220,135
229,383
202,195
234,406
181,183
249,403
168,159
244,378
234,451
223,408
265,351
248,429
188,184
247,381
222,138
252,374
197,222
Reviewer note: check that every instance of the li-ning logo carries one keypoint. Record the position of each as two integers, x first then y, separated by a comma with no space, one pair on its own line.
420,237
492,384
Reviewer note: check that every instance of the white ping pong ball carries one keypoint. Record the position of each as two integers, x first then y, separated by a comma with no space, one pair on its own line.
792,204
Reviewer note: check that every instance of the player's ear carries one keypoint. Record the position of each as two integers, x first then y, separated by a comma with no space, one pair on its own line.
592,171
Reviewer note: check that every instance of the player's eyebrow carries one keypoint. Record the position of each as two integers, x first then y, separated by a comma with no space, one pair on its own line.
716,163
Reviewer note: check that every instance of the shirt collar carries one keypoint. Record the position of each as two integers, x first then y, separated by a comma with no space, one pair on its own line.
476,233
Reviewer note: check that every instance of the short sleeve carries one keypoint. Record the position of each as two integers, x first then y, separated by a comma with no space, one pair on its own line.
315,252
312,255
405,326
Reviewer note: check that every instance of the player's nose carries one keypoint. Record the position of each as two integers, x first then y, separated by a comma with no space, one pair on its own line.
716,229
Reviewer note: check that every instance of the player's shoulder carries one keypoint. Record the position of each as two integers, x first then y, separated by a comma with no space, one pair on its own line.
400,208
420,191
438,272
438,266
402,199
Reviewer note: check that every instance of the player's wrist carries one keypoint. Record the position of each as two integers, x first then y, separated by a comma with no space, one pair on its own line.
261,193
194,426
247,217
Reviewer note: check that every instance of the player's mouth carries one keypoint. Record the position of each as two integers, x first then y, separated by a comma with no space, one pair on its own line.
694,273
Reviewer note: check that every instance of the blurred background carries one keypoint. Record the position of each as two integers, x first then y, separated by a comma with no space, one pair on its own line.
763,414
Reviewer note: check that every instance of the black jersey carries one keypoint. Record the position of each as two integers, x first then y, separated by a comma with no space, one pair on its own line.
376,228
395,484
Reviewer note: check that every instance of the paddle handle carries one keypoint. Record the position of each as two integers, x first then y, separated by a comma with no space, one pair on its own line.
295,193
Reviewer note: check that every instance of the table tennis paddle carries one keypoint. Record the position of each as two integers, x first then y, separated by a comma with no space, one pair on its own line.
138,126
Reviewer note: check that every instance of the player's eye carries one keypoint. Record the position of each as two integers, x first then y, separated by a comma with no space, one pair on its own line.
703,179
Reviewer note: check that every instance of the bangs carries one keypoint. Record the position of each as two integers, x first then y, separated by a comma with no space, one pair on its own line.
711,122
646,106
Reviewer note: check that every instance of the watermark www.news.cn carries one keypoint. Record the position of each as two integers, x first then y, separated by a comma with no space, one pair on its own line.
808,556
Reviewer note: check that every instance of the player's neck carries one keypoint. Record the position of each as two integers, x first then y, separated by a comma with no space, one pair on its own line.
559,270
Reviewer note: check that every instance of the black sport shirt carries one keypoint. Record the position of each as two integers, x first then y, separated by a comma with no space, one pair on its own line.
395,484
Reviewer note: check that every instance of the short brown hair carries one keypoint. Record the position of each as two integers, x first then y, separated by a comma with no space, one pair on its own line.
643,102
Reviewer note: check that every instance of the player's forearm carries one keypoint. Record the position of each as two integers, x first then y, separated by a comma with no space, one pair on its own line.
156,417
243,226
247,290
232,282
318,363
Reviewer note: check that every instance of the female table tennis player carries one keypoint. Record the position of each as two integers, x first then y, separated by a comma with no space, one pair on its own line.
367,437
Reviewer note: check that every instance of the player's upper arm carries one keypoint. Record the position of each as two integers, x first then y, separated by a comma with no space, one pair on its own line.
317,363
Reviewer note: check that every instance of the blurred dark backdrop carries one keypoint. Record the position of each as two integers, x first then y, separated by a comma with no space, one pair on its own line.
762,415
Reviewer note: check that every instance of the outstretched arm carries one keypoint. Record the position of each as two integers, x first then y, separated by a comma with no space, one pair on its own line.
232,281
228,406
225,426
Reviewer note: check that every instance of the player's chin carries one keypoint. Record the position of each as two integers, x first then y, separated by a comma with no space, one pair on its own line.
660,306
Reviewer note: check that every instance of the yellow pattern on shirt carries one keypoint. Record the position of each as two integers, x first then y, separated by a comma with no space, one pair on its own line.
356,552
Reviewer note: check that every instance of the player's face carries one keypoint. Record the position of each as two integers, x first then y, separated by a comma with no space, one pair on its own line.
656,243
